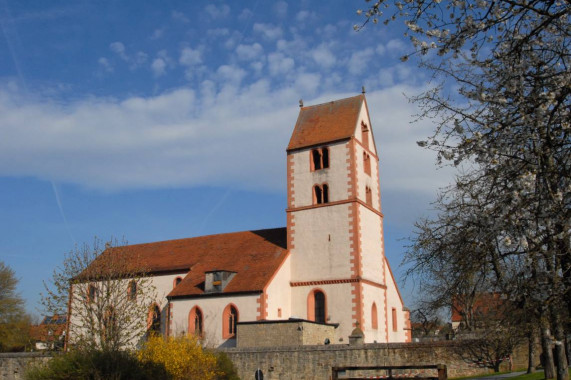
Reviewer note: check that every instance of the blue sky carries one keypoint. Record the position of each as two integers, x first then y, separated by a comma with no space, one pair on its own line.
161,120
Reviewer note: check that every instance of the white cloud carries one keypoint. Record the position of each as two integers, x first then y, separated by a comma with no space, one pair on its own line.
359,61
307,84
179,16
214,137
138,60
323,56
158,67
135,61
233,40
396,47
280,64
328,31
249,52
104,63
190,57
268,31
217,12
231,74
294,46
157,33
280,9
218,32
246,14
257,66
119,49
302,16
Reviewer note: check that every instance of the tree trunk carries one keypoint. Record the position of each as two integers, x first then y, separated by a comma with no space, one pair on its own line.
531,351
560,357
547,353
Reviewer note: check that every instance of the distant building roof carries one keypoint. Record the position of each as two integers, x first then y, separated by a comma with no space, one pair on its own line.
326,122
50,329
253,255
485,305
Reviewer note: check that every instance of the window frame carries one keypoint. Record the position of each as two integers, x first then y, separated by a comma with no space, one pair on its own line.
230,321
366,163
365,135
319,159
132,290
312,305
194,314
320,193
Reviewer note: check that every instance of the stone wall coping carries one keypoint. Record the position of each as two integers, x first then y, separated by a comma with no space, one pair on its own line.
35,354
290,320
346,347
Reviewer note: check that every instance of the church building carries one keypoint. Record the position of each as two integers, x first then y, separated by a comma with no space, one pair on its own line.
328,264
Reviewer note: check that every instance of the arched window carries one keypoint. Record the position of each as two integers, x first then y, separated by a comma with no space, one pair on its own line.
365,135
317,194
229,320
325,193
195,321
320,194
315,159
316,306
319,158
109,323
176,281
369,196
394,315
154,320
367,163
325,157
374,317
132,291
91,293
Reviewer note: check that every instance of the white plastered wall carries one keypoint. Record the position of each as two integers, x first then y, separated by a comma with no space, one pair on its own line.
160,285
322,244
364,117
212,309
372,259
335,176
364,180
279,293
339,307
377,295
394,301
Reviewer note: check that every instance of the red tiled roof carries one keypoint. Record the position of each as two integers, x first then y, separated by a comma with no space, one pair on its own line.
253,255
49,330
326,122
484,305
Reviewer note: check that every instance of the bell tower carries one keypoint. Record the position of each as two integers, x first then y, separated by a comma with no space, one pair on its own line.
335,223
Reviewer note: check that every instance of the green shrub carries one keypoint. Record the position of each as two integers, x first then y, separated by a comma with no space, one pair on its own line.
225,368
96,365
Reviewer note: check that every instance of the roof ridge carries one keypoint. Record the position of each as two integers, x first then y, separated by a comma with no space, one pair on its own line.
200,236
332,101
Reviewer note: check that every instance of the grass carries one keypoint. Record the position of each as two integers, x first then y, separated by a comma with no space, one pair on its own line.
539,375
533,376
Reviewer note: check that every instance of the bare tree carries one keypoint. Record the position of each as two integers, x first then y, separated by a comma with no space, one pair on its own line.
502,107
106,295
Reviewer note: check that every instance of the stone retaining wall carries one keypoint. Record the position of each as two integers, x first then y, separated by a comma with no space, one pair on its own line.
316,362
14,365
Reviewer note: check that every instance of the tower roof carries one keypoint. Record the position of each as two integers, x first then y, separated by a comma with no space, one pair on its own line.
323,123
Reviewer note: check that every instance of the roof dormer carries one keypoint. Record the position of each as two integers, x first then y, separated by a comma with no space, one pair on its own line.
216,280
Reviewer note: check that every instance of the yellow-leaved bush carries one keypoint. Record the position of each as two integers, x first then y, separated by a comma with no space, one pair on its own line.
183,357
